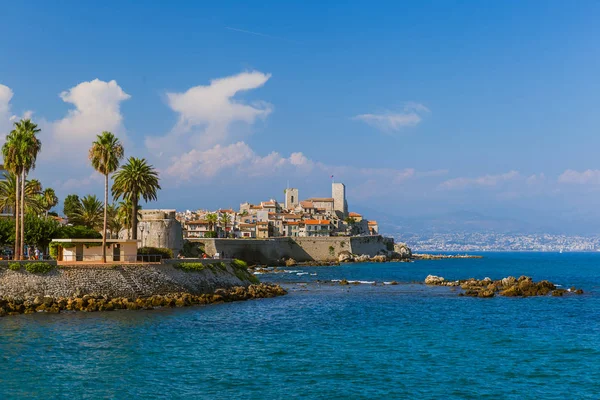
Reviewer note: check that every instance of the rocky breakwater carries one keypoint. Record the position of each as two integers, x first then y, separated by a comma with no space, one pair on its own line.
106,288
96,302
510,286
401,252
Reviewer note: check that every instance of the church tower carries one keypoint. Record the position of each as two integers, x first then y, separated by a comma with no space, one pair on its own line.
340,206
291,198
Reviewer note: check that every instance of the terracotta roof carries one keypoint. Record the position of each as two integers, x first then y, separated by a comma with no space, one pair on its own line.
316,222
228,211
321,199
307,204
372,222
291,223
353,214
198,222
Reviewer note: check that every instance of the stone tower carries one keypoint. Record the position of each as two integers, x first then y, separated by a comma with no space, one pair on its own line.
291,198
338,192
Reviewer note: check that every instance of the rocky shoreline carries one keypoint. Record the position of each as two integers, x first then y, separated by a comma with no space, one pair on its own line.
95,302
443,256
510,286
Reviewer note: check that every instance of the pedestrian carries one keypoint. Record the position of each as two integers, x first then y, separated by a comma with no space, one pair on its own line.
37,253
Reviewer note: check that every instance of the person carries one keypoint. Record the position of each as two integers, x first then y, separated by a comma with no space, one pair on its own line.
37,253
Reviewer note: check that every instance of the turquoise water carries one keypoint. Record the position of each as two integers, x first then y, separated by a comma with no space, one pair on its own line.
328,341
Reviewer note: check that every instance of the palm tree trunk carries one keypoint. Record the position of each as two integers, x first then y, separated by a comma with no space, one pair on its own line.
134,213
16,212
22,244
105,218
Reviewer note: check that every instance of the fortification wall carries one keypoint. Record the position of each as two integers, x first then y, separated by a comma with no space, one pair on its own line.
130,281
301,249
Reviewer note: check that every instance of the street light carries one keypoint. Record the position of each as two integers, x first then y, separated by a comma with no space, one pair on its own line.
142,230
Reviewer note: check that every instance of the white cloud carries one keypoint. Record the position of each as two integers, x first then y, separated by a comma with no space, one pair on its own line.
587,177
411,115
97,109
485,180
206,113
6,117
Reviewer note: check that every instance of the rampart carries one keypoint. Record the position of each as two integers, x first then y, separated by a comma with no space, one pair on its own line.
301,249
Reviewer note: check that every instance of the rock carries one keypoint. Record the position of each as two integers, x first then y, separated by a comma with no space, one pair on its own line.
558,292
579,291
508,281
345,256
290,262
486,293
434,280
402,250
512,291
344,282
379,258
362,258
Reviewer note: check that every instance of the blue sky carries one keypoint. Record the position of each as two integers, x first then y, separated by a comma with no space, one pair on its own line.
419,107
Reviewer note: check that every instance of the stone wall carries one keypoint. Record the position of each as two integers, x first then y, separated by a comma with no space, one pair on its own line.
301,249
116,281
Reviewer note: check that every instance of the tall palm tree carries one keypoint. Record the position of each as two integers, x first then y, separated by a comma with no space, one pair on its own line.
106,154
20,153
212,220
89,213
136,179
115,223
8,194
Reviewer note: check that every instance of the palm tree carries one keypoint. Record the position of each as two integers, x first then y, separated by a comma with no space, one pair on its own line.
224,221
115,223
136,179
89,213
212,220
20,153
8,194
49,199
124,214
106,154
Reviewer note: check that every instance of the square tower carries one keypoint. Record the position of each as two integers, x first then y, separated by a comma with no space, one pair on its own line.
338,192
291,198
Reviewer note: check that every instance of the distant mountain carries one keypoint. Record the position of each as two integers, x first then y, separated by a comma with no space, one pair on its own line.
473,222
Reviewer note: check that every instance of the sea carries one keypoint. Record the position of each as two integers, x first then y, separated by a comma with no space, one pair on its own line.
329,341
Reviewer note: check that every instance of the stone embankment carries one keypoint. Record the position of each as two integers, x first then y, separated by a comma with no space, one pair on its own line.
510,286
98,287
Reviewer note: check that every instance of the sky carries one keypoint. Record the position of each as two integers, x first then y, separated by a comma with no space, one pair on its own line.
422,107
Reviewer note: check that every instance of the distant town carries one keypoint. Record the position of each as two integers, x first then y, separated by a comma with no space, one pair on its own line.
464,242
312,217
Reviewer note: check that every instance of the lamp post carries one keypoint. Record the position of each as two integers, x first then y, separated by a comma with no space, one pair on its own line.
142,230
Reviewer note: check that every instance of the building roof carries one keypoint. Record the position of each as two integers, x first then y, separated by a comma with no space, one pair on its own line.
197,222
262,223
353,214
228,211
244,226
307,204
321,199
317,222
372,222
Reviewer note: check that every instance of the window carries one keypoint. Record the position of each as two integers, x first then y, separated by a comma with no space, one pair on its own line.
292,200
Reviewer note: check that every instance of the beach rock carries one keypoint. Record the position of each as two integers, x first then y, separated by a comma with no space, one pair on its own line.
486,293
379,258
345,256
434,280
362,258
508,281
403,251
344,282
290,262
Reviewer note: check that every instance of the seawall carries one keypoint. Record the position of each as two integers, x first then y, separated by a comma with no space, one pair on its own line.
301,249
131,281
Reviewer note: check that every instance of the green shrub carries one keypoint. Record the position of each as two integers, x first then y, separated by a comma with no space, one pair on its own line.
162,251
331,250
239,264
210,234
190,266
39,267
15,266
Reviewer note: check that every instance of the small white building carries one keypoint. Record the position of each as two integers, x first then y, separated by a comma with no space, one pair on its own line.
90,250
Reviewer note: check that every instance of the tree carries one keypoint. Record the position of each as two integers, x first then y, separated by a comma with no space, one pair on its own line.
136,179
49,199
7,232
212,220
8,194
105,155
89,213
124,215
115,222
39,231
20,153
70,205
224,221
